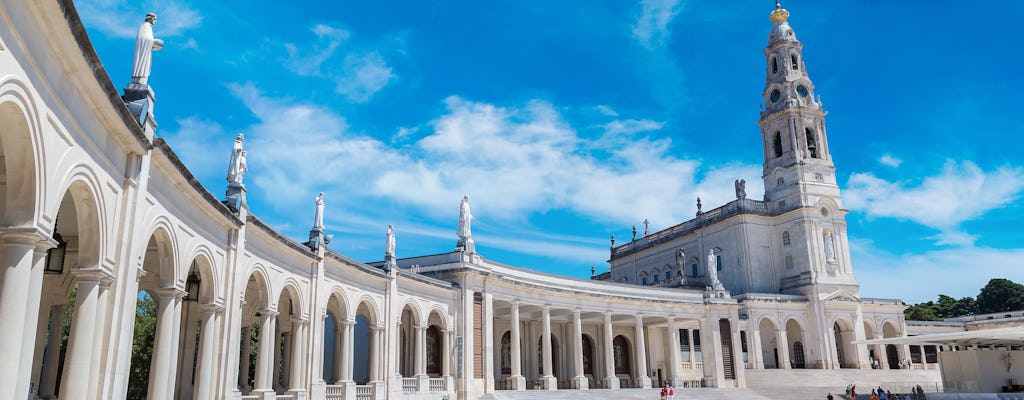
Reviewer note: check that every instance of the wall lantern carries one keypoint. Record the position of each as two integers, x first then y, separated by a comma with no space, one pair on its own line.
55,256
192,285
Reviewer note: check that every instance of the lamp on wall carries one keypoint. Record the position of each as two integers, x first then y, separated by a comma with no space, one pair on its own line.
192,285
55,256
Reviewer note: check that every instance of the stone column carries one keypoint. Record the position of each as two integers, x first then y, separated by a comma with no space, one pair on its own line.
580,380
375,353
338,374
348,346
693,350
78,360
265,358
755,350
207,352
924,358
244,354
276,374
784,349
29,329
488,349
674,375
548,381
296,386
51,355
833,345
641,354
611,381
446,353
186,350
15,288
517,381
420,360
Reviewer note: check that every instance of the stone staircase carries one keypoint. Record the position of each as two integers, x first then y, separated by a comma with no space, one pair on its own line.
803,393
839,378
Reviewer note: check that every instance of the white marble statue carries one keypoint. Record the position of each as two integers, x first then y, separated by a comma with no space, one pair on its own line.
318,219
830,248
145,43
237,166
464,219
713,270
389,245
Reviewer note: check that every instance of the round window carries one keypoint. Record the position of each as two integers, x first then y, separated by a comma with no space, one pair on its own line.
802,90
824,211
776,95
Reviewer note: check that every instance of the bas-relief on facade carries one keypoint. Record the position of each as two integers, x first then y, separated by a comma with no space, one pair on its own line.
95,204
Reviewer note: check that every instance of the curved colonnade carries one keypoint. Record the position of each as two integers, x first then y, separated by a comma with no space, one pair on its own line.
99,215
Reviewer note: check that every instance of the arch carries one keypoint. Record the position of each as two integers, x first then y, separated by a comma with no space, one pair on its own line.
293,289
367,307
846,351
258,280
82,187
24,187
202,261
441,317
795,334
795,60
414,312
768,328
777,144
162,244
889,329
505,362
336,296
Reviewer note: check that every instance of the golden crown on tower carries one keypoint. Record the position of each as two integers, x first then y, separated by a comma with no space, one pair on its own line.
779,15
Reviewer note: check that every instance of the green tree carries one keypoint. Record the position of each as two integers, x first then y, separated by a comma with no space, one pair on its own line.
142,347
921,312
1000,295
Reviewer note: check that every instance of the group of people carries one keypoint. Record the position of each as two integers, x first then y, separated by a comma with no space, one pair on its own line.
668,392
877,364
882,394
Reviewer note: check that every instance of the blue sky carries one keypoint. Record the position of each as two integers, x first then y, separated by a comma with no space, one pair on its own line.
567,122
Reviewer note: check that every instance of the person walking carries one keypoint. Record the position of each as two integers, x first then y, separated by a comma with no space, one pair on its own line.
664,392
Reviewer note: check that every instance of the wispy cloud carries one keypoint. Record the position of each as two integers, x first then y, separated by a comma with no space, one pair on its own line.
121,18
889,160
652,27
960,192
358,75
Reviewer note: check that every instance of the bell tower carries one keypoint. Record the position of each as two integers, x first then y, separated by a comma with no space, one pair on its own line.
798,167
799,176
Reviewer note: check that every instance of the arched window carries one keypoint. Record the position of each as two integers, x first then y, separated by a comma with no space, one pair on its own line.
777,144
812,145
796,65
620,353
775,65
785,238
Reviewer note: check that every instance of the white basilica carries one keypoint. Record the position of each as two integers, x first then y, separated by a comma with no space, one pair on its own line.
96,208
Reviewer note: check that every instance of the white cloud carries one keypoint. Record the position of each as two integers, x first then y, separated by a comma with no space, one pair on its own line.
631,126
888,160
607,111
363,75
961,192
957,272
651,27
309,62
121,18
358,76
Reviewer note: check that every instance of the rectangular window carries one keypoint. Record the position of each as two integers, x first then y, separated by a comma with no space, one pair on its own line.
743,344
718,262
655,278
696,346
789,261
668,275
695,268
915,354
645,280
931,354
684,344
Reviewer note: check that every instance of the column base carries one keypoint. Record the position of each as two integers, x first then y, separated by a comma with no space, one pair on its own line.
235,394
449,384
517,382
318,390
580,383
264,394
297,394
379,390
611,382
645,382
548,383
422,383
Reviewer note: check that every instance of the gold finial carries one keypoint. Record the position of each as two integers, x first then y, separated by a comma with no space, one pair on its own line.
780,14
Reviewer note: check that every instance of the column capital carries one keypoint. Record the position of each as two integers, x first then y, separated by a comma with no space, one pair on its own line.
420,327
268,313
299,320
27,236
171,292
376,328
93,275
212,309
547,307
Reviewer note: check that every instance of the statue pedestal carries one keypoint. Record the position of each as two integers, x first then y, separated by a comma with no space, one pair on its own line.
235,196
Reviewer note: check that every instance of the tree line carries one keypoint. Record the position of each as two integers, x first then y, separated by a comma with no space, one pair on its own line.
999,295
